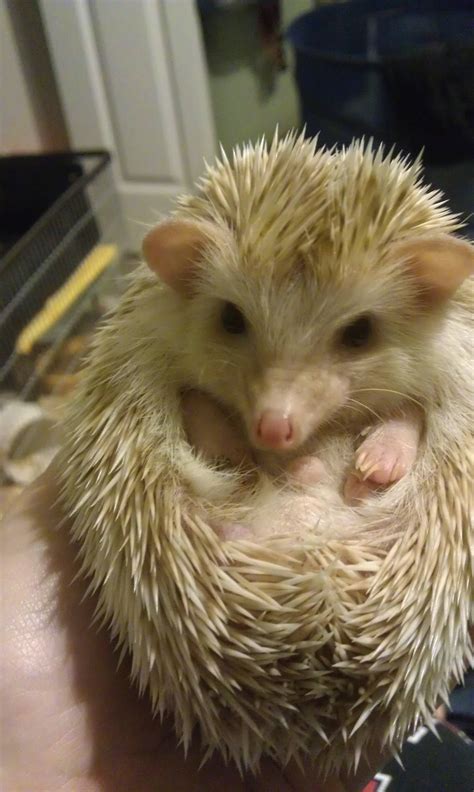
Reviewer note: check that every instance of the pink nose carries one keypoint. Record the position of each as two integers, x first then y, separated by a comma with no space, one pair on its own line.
274,429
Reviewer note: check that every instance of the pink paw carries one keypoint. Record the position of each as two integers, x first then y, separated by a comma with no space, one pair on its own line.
230,532
356,489
385,456
306,470
210,430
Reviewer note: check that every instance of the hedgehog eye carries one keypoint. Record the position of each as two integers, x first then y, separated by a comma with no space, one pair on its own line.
232,319
359,333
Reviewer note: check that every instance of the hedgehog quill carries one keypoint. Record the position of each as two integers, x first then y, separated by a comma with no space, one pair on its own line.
269,463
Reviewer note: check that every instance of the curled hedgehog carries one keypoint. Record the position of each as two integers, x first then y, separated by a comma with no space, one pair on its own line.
269,461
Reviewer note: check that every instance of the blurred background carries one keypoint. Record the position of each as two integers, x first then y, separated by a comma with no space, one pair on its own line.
108,109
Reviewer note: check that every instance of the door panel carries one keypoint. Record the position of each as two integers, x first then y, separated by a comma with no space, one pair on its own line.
131,46
133,79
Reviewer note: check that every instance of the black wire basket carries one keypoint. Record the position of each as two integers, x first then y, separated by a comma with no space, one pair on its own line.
60,230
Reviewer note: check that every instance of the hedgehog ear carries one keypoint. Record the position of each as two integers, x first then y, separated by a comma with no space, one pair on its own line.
173,250
439,264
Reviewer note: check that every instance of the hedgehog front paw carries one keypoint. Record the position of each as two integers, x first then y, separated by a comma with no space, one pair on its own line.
385,456
211,432
388,453
306,470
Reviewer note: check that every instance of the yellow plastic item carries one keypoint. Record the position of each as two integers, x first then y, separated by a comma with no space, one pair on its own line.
60,302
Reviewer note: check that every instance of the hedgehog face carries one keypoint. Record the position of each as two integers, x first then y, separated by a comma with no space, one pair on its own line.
308,286
289,355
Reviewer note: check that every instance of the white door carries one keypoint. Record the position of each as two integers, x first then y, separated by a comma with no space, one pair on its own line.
133,79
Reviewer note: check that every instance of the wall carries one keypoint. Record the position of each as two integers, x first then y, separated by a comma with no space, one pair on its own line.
247,99
30,111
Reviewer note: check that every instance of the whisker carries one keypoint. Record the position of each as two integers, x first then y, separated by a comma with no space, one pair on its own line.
365,407
333,423
361,412
226,363
389,390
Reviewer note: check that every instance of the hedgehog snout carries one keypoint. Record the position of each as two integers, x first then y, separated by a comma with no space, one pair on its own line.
285,405
274,429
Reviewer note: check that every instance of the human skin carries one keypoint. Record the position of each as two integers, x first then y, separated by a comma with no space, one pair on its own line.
69,719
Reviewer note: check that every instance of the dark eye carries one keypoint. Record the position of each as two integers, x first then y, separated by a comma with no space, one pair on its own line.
233,320
358,333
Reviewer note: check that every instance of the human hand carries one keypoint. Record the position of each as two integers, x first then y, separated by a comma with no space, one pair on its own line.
69,720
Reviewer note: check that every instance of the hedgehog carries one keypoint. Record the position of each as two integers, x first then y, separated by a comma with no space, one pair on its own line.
277,591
